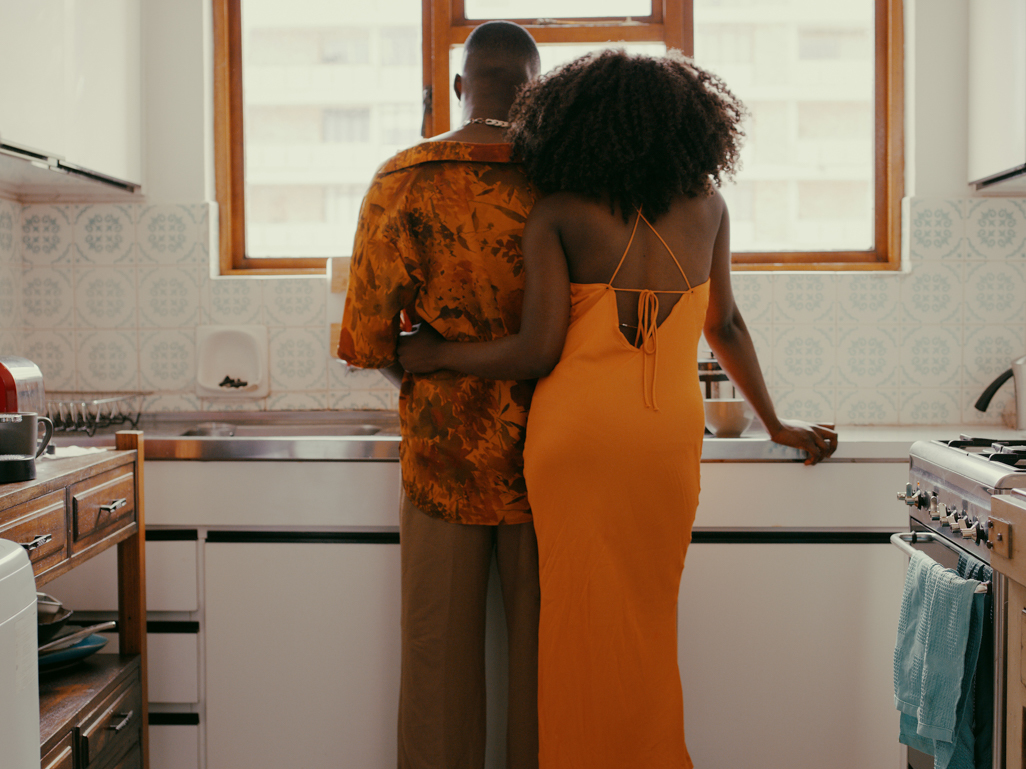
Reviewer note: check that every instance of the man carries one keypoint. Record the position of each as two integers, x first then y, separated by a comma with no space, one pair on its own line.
439,233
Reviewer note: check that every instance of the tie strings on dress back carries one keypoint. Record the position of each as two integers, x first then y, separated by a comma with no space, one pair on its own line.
648,314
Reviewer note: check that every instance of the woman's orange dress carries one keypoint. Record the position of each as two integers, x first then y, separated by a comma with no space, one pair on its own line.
614,439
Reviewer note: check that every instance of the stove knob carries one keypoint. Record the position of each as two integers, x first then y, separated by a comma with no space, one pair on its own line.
949,520
908,496
969,532
934,507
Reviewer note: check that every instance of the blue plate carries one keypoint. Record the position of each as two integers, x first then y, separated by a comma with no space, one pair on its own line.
64,657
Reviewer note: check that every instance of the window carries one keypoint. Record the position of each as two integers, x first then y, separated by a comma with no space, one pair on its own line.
332,90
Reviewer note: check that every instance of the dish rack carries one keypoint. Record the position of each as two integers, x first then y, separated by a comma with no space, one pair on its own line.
89,412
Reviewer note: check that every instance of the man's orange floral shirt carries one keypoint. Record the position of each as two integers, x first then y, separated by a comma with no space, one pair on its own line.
440,231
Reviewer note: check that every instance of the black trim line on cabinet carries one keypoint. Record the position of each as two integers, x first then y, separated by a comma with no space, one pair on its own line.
306,537
172,626
776,536
172,535
173,719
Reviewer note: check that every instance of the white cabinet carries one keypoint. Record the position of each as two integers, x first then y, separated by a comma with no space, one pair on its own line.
174,746
70,81
786,655
786,646
997,91
302,654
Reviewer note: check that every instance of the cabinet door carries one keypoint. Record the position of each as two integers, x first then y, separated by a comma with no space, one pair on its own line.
302,654
33,64
786,655
71,84
104,98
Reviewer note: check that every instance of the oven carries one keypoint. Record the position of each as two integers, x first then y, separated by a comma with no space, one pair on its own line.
948,495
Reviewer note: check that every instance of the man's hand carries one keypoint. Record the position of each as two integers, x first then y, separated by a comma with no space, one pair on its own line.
817,441
420,352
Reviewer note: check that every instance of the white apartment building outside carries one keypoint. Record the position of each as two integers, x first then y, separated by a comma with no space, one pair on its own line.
333,89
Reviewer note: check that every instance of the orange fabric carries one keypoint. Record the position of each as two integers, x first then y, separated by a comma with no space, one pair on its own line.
439,235
614,486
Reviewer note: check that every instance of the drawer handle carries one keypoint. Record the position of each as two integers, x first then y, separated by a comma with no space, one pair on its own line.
125,718
38,541
117,504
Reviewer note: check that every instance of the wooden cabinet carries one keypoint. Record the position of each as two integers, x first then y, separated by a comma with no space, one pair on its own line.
1010,561
93,715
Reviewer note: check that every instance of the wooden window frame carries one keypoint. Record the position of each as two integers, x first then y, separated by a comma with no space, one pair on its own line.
230,156
444,24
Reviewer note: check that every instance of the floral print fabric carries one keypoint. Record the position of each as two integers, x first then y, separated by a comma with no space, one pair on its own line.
439,234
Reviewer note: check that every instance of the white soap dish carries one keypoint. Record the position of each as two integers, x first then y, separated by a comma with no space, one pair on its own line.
231,362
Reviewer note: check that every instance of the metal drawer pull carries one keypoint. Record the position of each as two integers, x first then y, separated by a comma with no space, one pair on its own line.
117,504
37,542
125,718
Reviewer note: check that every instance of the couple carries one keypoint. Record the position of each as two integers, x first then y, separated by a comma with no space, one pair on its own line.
601,293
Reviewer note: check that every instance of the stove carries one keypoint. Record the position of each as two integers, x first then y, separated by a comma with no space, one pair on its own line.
951,483
949,493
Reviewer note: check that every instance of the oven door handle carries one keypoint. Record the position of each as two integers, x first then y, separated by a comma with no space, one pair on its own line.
903,541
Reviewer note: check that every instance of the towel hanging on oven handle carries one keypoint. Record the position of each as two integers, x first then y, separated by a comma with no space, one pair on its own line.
905,545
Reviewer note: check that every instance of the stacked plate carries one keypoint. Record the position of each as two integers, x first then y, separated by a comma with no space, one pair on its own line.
60,644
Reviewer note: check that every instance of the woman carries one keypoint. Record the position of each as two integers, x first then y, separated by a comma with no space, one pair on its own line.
627,259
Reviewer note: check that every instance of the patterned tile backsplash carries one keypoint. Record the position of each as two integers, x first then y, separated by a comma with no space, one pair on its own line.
108,297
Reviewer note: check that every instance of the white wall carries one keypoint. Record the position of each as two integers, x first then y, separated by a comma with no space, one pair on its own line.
177,61
936,98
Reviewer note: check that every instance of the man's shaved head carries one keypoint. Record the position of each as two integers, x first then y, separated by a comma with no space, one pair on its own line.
496,48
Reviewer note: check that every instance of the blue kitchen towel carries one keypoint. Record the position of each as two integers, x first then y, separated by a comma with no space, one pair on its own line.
983,708
934,659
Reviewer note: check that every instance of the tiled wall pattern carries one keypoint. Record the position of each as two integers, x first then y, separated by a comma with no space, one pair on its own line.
108,297
912,348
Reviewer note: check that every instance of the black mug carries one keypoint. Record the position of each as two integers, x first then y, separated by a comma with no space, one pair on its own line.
19,435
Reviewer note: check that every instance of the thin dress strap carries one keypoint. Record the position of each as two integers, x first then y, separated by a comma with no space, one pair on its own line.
672,255
629,243
648,312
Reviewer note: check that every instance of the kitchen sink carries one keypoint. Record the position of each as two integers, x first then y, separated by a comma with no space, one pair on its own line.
292,430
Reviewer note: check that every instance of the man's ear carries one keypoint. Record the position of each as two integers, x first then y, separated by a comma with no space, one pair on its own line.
457,86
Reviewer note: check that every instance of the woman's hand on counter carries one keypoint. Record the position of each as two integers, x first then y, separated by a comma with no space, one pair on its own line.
818,441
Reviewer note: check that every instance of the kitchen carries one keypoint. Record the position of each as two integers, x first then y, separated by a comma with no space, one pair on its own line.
837,347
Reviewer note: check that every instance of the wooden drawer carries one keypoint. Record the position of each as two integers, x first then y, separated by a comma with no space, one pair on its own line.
116,725
101,506
62,756
43,515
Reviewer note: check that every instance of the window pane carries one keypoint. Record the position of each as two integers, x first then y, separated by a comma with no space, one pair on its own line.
331,91
805,69
552,56
556,9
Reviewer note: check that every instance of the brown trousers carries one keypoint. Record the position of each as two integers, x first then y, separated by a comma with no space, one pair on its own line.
445,569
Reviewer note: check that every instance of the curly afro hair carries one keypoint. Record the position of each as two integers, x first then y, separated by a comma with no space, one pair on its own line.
637,131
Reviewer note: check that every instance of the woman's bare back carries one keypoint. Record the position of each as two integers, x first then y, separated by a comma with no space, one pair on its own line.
594,239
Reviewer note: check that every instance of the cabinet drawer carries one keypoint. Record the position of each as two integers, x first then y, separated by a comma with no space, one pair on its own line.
116,725
101,506
44,515
62,756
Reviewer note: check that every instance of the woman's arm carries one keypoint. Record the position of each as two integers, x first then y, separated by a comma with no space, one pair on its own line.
728,336
532,352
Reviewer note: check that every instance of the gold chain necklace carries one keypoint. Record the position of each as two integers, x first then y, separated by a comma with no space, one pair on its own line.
487,121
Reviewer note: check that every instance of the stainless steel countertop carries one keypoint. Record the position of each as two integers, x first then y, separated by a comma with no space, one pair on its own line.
321,436
326,436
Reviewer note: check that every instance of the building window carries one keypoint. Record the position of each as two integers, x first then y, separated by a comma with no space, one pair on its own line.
332,90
